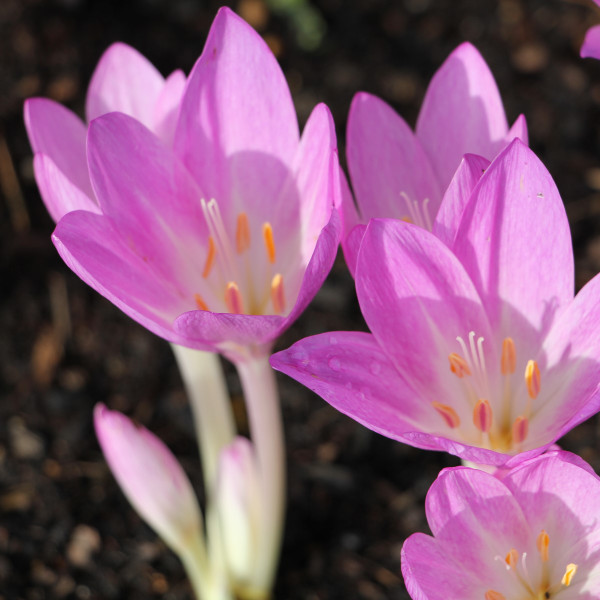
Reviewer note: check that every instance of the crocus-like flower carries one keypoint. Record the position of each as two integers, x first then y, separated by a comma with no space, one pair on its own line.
591,44
477,348
399,174
123,81
221,240
535,535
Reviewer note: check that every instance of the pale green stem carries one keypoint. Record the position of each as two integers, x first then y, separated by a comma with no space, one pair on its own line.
266,428
204,383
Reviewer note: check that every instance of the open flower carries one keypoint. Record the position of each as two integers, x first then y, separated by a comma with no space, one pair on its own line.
222,238
479,348
123,81
535,535
399,174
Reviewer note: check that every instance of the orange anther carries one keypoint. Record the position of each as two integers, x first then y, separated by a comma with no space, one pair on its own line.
458,365
543,541
520,429
233,298
482,416
533,379
512,558
569,574
494,595
508,362
210,257
269,242
448,414
200,302
277,295
407,219
242,233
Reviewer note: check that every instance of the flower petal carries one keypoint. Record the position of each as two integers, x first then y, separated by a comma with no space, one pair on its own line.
58,133
237,131
591,44
150,476
515,242
518,130
385,161
457,196
166,109
60,194
462,112
124,81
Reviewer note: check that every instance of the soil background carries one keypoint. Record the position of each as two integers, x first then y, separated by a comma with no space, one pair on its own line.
66,531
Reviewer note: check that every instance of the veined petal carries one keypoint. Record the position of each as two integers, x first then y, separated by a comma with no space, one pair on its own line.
166,109
59,193
591,44
462,112
514,241
124,81
417,298
468,174
58,133
151,478
237,117
387,164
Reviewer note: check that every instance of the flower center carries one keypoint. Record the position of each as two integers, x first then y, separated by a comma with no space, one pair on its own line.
418,212
244,281
500,415
546,585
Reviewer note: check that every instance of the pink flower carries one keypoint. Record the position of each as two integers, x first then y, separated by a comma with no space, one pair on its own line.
400,174
221,238
533,535
123,80
591,43
477,348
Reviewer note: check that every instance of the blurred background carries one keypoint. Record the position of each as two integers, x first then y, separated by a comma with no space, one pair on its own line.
66,531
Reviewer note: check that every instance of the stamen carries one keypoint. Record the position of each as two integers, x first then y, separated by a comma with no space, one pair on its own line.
482,416
508,363
277,295
543,541
233,298
269,242
569,574
200,302
458,365
210,257
512,558
494,595
533,379
520,429
448,414
242,233
407,219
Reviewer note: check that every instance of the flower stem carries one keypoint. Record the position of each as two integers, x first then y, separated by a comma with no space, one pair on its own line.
266,428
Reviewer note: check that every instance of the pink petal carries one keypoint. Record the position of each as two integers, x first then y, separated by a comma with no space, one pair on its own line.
462,113
60,195
350,219
385,161
56,132
591,44
166,110
518,130
124,81
457,195
237,130
150,476
514,241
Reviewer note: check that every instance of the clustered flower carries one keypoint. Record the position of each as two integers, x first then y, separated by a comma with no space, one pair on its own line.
196,207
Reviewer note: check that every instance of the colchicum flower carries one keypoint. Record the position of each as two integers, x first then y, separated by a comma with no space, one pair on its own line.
123,81
534,535
478,348
399,174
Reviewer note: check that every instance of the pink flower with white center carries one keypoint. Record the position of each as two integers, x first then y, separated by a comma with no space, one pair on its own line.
399,174
221,238
534,535
478,347
123,81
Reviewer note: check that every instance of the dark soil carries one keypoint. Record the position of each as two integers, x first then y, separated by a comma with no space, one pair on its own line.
66,531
